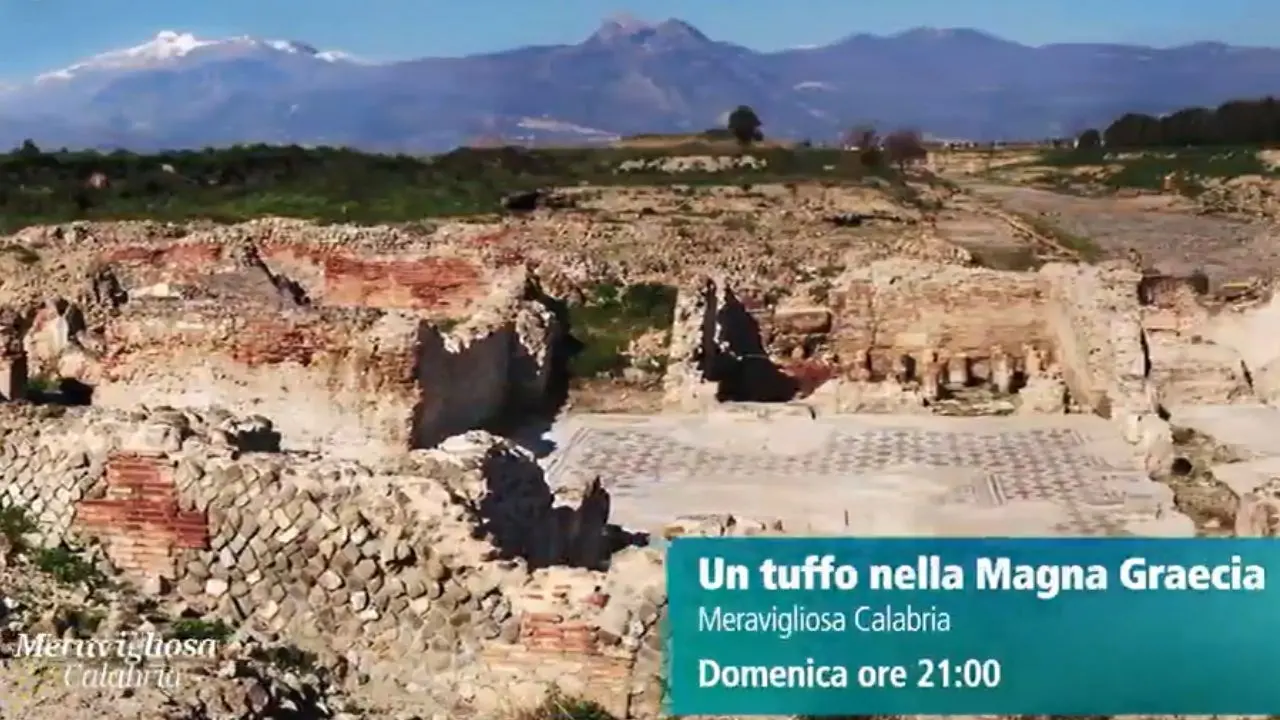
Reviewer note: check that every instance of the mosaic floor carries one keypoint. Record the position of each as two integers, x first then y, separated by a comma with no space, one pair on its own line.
1077,474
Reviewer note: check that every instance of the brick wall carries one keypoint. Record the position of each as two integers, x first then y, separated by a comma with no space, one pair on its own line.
146,340
276,341
568,649
941,314
291,544
177,255
342,278
139,519
426,283
873,322
551,632
146,264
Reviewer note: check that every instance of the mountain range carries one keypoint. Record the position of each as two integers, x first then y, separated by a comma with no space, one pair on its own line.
628,77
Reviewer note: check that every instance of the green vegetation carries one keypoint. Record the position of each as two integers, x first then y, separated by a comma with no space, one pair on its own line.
66,565
335,185
745,125
286,657
1233,123
560,707
1086,248
61,562
610,318
199,629
1147,170
15,525
1185,148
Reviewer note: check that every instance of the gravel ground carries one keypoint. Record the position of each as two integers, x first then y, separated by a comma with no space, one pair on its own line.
1170,241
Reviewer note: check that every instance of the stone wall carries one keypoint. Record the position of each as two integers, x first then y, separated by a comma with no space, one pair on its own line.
340,381
1249,332
349,382
894,308
889,338
357,351
1097,324
13,359
459,558
1096,317
1187,367
687,382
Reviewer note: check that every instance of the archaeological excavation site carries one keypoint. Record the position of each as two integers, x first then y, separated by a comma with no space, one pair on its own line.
369,449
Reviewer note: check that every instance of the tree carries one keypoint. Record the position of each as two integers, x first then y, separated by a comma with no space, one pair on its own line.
1133,130
1090,139
745,125
29,150
905,146
866,141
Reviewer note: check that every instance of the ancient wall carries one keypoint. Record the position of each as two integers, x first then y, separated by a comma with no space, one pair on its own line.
1249,331
346,382
687,385
1096,320
357,350
337,381
1186,366
884,330
336,276
891,309
454,557
13,359
1096,317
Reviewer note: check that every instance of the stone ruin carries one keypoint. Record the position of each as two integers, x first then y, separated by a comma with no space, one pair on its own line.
282,432
901,337
247,443
460,558
351,344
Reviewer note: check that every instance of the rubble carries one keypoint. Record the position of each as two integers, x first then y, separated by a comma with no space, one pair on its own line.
289,432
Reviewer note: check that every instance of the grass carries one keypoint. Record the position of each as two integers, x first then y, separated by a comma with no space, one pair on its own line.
331,185
1147,169
561,707
63,563
66,565
15,526
199,629
612,316
1086,248
1019,259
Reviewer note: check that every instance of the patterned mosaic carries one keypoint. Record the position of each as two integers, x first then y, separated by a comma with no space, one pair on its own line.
1047,464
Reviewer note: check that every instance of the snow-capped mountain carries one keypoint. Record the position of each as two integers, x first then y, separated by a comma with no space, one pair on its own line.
169,48
630,76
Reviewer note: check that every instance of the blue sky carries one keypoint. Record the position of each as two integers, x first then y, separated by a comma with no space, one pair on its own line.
39,35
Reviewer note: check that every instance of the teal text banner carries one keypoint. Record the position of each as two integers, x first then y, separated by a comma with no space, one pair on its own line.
934,626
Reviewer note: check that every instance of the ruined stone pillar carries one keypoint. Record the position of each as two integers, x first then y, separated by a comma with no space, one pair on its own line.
1001,371
902,370
13,377
1034,361
929,372
958,370
13,357
860,367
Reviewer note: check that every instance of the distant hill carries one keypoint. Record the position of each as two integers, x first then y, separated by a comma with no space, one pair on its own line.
626,78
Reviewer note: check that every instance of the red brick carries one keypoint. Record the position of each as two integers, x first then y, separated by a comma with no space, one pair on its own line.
182,255
141,529
418,284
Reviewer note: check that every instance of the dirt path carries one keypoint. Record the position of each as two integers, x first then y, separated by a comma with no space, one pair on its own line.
1170,240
